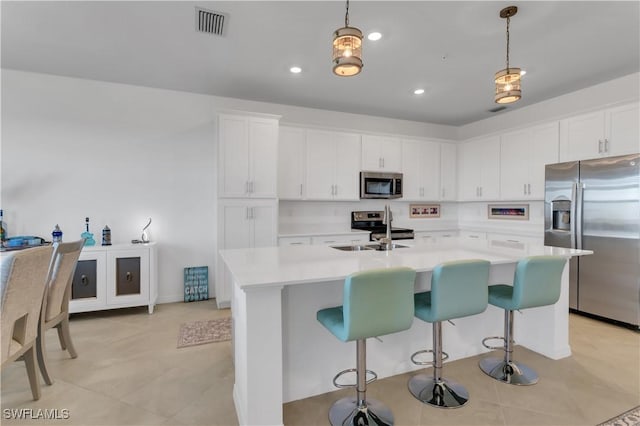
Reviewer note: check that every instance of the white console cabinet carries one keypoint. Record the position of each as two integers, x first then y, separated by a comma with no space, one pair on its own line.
117,276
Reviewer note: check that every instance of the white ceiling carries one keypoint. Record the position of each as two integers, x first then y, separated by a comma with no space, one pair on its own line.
451,49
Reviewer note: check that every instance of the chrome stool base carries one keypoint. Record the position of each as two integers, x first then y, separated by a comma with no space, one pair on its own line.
345,412
511,372
443,394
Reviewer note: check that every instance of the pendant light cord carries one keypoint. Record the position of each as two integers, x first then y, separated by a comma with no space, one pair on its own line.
346,16
508,19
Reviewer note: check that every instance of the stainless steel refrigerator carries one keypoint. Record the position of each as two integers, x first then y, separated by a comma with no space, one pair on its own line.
595,205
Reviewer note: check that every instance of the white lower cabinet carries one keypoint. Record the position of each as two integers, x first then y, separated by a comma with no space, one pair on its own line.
339,239
294,241
243,223
425,236
117,276
473,235
515,238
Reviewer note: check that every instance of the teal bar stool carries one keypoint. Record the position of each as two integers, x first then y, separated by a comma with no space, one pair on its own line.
375,303
458,289
536,283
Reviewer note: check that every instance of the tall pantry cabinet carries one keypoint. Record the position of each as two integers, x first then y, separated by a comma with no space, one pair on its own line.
247,188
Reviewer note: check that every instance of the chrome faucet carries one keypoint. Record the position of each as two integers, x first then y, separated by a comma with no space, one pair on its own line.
387,242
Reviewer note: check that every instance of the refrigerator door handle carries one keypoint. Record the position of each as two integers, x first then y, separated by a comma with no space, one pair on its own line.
579,209
573,217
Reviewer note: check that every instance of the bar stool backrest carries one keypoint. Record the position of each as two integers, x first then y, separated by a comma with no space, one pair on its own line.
537,281
378,302
459,289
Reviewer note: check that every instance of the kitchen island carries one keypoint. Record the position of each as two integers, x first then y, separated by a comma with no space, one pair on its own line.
282,354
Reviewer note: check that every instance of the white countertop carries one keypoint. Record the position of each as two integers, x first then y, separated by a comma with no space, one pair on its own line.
281,266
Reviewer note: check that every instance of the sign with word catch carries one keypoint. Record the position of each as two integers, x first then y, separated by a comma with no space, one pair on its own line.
196,283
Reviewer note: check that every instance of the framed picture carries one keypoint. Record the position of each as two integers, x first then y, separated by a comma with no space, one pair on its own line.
508,211
424,210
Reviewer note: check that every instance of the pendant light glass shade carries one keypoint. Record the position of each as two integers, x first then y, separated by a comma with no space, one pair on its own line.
507,85
508,80
347,49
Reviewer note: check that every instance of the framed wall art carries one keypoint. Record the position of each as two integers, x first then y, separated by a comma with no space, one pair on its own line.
417,211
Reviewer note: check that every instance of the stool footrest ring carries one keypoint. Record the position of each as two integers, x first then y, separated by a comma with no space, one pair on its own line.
445,356
352,370
494,338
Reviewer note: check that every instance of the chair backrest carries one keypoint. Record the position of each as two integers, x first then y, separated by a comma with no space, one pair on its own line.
63,267
459,289
537,281
24,292
378,302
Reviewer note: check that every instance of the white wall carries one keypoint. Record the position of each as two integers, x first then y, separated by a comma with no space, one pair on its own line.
120,154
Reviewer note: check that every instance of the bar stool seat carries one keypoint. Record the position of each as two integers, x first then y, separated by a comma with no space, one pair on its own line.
375,303
458,289
537,281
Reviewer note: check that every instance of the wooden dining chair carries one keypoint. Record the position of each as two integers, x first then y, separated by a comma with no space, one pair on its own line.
55,306
21,304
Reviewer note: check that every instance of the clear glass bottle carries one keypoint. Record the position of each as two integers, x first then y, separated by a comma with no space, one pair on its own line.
3,229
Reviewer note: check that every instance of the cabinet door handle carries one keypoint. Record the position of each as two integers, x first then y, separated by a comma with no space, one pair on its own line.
301,190
529,188
525,188
296,244
481,191
383,162
606,145
84,280
599,146
513,241
129,276
336,190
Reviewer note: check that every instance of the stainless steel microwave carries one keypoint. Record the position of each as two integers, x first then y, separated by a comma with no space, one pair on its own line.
380,185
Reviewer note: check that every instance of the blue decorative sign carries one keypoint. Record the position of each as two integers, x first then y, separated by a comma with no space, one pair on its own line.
196,283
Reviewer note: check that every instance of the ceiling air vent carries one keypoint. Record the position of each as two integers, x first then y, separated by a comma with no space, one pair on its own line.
498,108
210,22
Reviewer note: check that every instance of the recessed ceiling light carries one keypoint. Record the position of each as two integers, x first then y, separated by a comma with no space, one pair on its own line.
295,70
418,91
374,36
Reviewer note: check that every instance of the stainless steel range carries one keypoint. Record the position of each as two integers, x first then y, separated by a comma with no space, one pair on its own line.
373,221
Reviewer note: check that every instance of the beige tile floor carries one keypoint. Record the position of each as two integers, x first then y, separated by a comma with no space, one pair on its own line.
129,372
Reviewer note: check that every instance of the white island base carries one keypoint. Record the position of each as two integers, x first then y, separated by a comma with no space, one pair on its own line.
283,354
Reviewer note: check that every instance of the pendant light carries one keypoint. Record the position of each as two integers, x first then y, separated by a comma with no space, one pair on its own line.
508,79
347,49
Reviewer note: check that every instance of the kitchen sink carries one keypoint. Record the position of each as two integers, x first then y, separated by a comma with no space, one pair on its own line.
361,247
354,247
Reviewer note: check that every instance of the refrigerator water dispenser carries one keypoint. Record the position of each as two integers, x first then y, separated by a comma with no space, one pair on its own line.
561,215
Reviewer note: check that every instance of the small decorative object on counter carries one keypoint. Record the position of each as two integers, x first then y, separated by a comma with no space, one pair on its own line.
88,236
106,236
145,236
56,235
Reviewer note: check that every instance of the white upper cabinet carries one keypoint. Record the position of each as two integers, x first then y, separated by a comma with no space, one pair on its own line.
523,156
448,172
479,169
605,133
421,170
248,156
332,165
291,163
381,153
